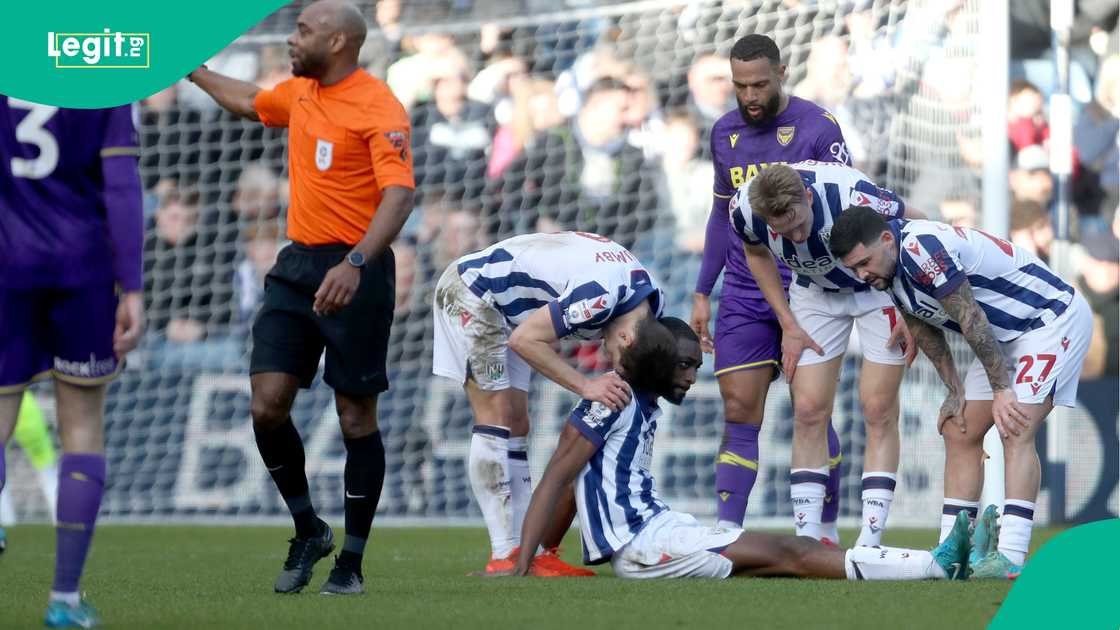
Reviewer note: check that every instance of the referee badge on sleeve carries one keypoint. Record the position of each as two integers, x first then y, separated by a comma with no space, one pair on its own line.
324,151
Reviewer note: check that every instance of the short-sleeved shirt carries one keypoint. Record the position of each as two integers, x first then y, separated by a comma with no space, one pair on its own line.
835,187
803,131
54,229
347,142
615,490
585,280
1016,290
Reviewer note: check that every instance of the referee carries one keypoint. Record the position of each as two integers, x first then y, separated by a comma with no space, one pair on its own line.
352,186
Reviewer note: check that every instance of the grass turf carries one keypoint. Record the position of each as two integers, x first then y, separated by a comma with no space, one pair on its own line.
221,577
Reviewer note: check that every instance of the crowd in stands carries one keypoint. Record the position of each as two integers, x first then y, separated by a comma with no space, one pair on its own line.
601,124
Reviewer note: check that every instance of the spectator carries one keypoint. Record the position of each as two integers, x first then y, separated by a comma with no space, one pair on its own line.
959,211
1026,122
645,126
1097,188
187,327
583,176
451,134
275,67
382,47
1030,178
683,174
709,94
261,243
535,110
1100,284
1031,228
410,77
828,83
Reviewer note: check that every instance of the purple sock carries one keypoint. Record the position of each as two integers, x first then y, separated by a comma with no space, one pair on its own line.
736,470
832,489
81,482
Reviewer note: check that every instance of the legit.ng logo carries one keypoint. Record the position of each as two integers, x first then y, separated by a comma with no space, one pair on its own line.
106,50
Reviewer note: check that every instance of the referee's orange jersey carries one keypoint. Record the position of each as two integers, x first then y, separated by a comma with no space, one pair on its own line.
346,143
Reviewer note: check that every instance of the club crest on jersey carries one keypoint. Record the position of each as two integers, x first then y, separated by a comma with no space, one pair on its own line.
785,135
912,247
825,234
1065,343
733,138
324,152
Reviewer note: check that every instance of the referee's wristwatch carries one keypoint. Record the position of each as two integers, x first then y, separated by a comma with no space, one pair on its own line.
356,259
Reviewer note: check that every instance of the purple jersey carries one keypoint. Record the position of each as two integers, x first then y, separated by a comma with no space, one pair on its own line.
802,132
71,210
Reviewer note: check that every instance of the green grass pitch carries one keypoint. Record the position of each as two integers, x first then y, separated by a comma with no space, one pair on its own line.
142,576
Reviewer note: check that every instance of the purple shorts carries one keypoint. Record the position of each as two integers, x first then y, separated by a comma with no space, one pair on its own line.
65,332
747,337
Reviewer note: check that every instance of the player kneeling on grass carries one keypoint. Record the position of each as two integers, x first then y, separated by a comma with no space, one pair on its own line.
1030,331
622,520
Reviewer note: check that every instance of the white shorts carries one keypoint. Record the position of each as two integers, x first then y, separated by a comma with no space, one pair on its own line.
1043,362
674,545
828,317
472,339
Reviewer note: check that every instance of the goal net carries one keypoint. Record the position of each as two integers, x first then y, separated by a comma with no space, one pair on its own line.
578,115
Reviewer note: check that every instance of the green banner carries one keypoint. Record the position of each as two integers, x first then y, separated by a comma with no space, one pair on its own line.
1069,583
77,53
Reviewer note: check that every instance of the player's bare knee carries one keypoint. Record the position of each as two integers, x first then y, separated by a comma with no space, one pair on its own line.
810,414
741,408
268,409
961,442
356,417
1022,443
880,413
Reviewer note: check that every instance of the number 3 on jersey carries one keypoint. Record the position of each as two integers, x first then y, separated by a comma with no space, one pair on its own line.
30,131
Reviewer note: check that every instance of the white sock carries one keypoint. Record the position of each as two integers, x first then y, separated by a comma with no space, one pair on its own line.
831,532
70,599
521,482
949,510
878,492
48,483
1015,529
7,510
890,563
488,469
806,493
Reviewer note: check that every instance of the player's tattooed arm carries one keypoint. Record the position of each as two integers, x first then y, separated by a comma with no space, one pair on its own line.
932,342
977,331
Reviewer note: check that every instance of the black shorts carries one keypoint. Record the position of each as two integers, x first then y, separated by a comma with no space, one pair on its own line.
289,337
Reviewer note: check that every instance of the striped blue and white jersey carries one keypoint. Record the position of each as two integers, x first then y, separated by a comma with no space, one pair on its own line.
1016,290
586,280
615,491
836,187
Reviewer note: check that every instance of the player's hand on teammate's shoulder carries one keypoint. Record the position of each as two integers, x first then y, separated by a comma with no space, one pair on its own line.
337,289
608,389
130,323
701,317
1008,413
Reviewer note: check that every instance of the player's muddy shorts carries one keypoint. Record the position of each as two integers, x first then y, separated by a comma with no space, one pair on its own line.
289,337
472,339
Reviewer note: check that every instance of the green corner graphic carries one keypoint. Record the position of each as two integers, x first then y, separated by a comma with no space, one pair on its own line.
76,53
1069,583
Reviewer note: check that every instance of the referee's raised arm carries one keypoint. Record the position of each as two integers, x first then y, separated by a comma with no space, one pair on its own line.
232,94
